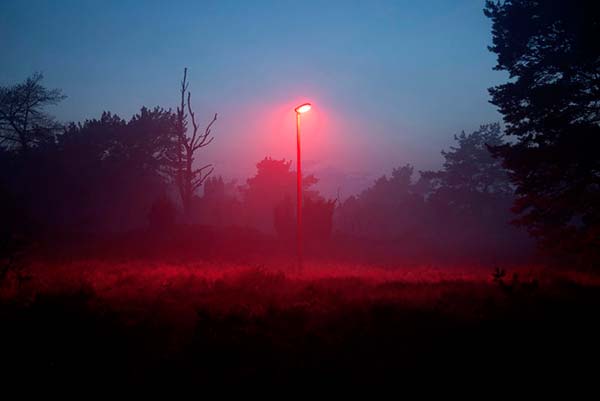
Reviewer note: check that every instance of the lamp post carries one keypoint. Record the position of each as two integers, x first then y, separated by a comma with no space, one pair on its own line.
303,108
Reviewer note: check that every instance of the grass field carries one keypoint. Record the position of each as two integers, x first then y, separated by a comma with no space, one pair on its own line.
201,322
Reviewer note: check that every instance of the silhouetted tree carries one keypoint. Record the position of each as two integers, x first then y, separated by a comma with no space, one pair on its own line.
472,178
390,208
461,211
185,174
149,141
102,174
162,214
23,122
114,168
219,205
273,182
284,218
551,105
468,201
317,213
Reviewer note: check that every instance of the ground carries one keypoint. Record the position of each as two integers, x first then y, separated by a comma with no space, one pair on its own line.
210,322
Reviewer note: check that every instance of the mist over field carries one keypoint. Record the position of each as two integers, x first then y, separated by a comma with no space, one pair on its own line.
217,194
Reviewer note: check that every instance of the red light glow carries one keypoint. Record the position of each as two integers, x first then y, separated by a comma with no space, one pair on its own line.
303,108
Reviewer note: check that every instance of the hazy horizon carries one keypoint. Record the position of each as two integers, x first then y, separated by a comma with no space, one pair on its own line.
376,74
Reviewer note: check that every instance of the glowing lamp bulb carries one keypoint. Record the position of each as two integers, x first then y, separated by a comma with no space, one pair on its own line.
303,108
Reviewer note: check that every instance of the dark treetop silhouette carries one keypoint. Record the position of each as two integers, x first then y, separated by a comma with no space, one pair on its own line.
551,105
23,123
460,210
116,175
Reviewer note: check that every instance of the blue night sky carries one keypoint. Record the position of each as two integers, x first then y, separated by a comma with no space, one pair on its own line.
391,81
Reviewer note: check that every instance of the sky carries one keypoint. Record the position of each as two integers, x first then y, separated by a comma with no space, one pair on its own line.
391,82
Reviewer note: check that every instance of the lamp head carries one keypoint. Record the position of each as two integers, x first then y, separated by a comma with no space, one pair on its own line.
303,108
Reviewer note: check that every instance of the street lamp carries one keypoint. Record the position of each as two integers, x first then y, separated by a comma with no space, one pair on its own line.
303,108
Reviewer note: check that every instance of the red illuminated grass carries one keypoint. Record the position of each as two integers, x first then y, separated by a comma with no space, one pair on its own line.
255,289
207,321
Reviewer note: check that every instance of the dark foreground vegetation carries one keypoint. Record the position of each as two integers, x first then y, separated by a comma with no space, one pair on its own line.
203,323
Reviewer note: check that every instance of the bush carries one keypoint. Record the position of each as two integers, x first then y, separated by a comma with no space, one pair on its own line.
162,214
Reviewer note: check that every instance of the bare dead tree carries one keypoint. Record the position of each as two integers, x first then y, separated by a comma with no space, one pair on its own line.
187,177
23,124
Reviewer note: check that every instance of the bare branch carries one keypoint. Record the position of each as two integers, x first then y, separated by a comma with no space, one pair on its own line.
183,173
184,83
204,167
204,139
198,172
193,120
202,178
203,144
181,108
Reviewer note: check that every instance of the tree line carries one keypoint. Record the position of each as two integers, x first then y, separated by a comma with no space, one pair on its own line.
112,175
